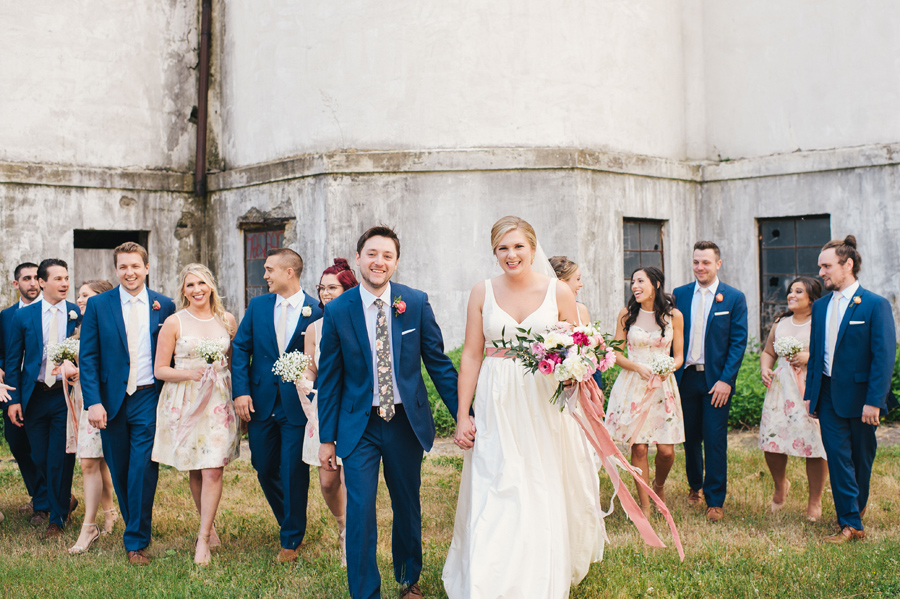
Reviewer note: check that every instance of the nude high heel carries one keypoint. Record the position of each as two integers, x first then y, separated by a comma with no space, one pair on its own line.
109,520
77,549
202,559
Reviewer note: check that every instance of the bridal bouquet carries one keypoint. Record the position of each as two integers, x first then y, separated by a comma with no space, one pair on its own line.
291,366
211,350
568,353
67,350
661,364
788,347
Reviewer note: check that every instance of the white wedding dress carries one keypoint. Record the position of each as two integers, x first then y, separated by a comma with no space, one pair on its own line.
528,521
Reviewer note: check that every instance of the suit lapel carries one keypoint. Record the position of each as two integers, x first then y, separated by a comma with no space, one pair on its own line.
302,323
38,337
712,305
358,323
686,313
848,314
269,321
71,323
154,314
396,336
115,308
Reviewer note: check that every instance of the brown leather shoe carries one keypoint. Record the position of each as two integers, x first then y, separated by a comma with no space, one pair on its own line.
411,592
695,497
138,558
714,514
40,517
26,508
847,534
53,531
287,556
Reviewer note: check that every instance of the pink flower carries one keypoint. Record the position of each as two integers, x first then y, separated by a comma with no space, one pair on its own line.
538,350
580,338
399,306
155,305
555,358
771,447
608,361
546,367
798,444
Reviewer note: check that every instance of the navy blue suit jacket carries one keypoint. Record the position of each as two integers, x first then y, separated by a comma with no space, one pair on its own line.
726,333
346,382
25,346
863,360
256,339
103,361
6,319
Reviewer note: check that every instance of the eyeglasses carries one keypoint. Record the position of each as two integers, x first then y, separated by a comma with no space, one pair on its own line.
329,288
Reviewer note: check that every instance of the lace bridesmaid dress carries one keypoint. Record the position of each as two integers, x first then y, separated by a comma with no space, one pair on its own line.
188,436
528,519
786,427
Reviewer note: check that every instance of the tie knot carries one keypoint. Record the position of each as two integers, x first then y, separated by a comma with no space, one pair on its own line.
704,291
379,303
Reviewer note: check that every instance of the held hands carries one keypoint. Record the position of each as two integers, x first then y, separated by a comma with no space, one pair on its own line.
720,392
328,457
97,416
766,374
4,392
870,415
465,432
243,405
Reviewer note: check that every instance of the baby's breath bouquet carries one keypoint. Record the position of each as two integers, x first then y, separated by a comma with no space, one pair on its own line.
788,347
211,350
661,364
60,352
291,366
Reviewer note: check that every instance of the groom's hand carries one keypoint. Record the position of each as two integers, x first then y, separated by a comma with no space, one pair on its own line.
465,432
243,405
870,415
327,456
720,392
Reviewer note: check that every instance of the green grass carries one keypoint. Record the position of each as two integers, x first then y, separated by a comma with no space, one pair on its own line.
750,554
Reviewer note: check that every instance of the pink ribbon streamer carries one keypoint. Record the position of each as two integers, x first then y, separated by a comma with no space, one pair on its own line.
64,371
598,436
798,376
207,386
311,416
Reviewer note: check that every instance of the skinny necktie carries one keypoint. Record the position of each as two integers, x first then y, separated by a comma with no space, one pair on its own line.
281,333
697,327
133,333
52,339
834,323
383,364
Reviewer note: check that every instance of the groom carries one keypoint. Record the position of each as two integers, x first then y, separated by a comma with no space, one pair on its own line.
715,337
118,346
848,380
373,404
274,324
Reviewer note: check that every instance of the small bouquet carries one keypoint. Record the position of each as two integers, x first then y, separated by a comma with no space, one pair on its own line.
662,364
291,366
570,354
60,352
788,347
211,350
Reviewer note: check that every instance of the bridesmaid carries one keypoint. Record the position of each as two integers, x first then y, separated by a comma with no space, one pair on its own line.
637,415
85,443
196,428
786,428
335,280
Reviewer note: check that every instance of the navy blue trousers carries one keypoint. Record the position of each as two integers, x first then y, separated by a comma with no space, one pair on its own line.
17,439
395,444
127,447
850,446
705,432
45,424
276,447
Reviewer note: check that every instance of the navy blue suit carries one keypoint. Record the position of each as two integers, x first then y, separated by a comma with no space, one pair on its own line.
104,365
16,436
862,365
44,410
364,439
278,423
705,426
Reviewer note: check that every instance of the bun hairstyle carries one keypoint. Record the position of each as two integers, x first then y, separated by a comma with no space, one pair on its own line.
844,249
345,276
563,267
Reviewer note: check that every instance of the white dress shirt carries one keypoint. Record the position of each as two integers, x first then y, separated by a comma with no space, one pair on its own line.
294,308
61,326
22,303
370,310
145,353
695,308
843,300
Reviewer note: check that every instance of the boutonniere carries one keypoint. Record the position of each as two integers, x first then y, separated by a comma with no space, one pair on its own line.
73,315
306,312
719,298
155,305
857,299
399,305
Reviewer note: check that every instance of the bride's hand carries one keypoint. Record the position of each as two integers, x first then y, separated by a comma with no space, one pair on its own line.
644,371
465,432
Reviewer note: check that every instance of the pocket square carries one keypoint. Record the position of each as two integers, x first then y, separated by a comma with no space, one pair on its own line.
722,313
857,322
405,332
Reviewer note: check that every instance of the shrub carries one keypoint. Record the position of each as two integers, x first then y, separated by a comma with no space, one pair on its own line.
444,423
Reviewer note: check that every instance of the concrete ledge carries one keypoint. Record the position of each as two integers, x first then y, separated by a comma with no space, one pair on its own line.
96,177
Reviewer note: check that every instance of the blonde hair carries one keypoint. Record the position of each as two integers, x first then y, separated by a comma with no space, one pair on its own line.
215,301
563,267
512,223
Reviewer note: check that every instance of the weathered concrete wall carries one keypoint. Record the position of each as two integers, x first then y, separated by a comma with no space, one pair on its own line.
783,76
304,77
104,83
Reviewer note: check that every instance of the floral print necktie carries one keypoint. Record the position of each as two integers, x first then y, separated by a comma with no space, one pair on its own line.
383,364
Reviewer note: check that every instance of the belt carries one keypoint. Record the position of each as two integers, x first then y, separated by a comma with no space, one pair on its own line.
697,367
42,386
142,387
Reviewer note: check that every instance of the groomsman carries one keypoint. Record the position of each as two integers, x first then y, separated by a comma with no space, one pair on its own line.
37,401
25,280
848,382
715,331
273,325
118,344
373,408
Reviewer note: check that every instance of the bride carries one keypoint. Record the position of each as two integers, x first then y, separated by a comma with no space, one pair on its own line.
528,520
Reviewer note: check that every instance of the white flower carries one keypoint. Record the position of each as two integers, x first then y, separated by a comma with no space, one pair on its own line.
561,373
788,347
576,367
211,350
662,364
306,312
290,366
67,350
553,340
73,315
